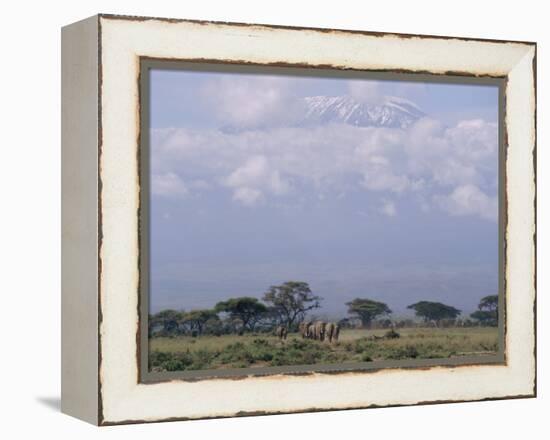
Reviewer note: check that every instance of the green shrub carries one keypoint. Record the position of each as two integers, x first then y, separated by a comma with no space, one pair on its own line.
170,361
208,352
406,352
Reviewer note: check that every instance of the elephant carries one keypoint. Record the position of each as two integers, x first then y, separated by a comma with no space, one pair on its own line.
310,331
335,333
332,331
329,330
301,329
304,329
319,330
281,332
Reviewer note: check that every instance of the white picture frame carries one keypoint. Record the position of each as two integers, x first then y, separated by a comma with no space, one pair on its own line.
101,207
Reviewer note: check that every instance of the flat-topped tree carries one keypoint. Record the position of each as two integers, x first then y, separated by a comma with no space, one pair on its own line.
293,299
168,319
367,310
489,303
196,319
434,311
487,312
246,309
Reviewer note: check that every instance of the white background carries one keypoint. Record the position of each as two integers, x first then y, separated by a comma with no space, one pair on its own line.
30,217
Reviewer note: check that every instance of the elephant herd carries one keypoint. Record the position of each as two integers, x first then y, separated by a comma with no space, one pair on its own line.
320,331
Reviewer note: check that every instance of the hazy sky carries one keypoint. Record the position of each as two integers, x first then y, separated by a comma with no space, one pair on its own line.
244,196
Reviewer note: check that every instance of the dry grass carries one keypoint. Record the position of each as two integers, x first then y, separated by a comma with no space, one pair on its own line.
255,350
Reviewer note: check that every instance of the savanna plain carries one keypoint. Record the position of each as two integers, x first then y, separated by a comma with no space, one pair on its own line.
177,353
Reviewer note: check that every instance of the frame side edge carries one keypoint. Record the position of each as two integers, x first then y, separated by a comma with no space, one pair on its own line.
535,177
79,262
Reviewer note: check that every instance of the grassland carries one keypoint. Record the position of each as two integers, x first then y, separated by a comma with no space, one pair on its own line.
261,350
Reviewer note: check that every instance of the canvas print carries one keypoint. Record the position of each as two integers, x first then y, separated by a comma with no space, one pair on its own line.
313,220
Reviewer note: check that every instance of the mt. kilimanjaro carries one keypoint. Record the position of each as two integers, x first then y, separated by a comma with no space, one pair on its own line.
393,112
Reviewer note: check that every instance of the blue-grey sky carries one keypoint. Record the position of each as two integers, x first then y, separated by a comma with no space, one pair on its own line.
245,193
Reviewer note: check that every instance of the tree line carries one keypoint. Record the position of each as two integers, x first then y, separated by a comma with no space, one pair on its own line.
288,304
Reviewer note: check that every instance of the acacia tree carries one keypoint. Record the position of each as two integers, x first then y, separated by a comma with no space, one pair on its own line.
487,312
434,311
246,309
196,319
272,317
367,310
168,319
293,300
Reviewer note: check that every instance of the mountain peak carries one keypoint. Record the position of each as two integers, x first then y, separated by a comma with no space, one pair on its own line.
393,112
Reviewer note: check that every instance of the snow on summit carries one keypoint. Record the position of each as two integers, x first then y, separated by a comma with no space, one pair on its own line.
393,112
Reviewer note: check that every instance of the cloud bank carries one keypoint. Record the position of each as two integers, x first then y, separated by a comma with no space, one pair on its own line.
268,158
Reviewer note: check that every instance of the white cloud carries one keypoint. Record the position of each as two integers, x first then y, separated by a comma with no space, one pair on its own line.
168,185
475,139
259,101
382,180
380,174
253,177
469,200
254,171
466,153
247,196
428,158
388,208
368,92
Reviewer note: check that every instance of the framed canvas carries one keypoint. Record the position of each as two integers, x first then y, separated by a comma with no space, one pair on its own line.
264,219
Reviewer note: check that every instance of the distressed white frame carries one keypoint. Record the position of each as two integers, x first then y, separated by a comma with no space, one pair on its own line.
122,41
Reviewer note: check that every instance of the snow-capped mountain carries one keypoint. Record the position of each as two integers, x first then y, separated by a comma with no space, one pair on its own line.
393,112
